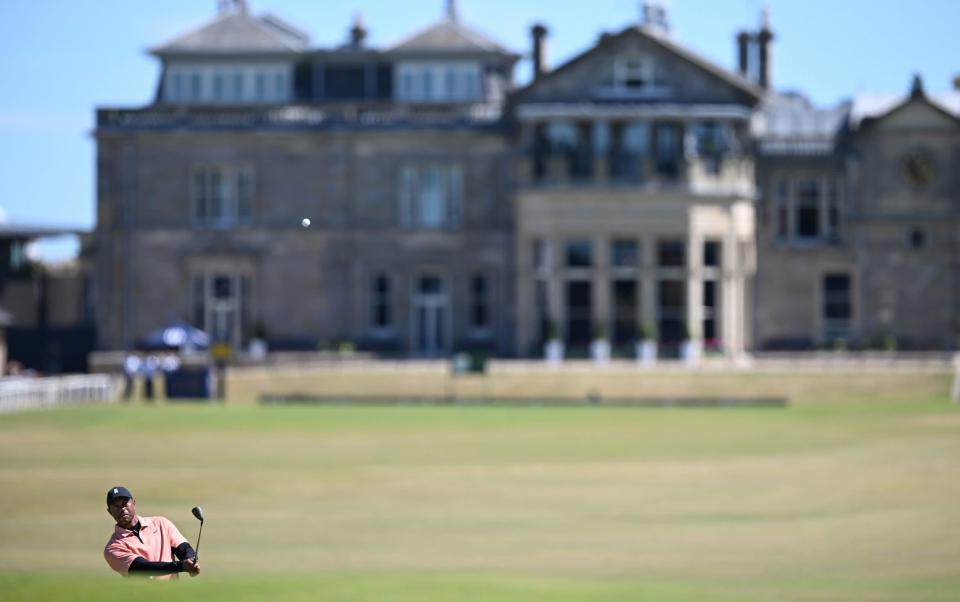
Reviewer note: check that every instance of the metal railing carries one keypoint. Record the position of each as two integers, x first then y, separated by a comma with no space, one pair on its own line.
27,393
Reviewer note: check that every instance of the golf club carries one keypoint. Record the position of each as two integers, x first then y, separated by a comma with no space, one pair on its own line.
198,512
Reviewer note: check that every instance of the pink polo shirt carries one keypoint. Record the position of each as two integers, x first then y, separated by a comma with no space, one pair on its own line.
158,536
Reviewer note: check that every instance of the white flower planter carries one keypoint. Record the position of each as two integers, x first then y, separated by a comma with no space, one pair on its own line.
600,351
553,351
258,349
646,351
691,352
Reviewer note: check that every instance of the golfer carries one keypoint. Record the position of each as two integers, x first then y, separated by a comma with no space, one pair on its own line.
145,545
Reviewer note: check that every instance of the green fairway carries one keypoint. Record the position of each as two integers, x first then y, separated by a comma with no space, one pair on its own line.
839,501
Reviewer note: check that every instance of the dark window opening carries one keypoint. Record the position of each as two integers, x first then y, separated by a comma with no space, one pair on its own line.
579,313
712,253
623,253
671,253
579,254
624,311
918,238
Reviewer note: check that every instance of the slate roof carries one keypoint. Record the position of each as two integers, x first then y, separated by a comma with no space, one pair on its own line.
788,123
448,35
238,32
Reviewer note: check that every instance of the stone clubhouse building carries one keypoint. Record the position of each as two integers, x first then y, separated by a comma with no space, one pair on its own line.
637,188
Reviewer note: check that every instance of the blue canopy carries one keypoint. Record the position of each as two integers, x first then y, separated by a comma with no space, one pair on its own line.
176,335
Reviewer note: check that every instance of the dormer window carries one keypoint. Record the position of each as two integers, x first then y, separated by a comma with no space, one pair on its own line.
634,76
633,73
438,82
227,83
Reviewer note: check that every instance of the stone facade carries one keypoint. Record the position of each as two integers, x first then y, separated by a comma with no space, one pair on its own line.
859,229
636,188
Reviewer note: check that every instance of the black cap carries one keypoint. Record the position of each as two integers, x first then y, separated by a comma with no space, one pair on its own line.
118,491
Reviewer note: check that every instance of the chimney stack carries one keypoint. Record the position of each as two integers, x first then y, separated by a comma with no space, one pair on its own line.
539,34
743,53
754,53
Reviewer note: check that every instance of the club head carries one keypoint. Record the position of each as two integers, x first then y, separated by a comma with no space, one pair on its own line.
198,512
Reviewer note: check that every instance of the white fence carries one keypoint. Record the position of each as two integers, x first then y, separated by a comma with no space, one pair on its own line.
25,393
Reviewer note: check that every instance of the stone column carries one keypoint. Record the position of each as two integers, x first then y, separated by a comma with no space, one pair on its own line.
694,283
601,283
732,279
648,282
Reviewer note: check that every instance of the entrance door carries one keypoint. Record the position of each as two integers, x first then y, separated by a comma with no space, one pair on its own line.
430,316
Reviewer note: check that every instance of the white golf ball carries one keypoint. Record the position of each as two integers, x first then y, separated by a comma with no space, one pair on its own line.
305,222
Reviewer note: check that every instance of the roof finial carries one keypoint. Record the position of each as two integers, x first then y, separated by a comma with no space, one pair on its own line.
765,16
358,32
916,89
452,10
231,6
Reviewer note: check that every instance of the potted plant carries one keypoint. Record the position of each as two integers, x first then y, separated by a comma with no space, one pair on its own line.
258,344
646,346
600,346
553,348
691,350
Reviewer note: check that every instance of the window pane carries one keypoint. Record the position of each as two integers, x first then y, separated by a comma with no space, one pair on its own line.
711,253
808,208
479,302
218,86
215,183
671,253
623,253
710,310
430,285
196,86
381,301
455,197
671,309
579,312
237,85
451,84
624,311
222,287
431,198
562,136
837,307
668,149
579,254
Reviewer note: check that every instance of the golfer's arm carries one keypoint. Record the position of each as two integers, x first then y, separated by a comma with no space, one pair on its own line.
184,551
142,566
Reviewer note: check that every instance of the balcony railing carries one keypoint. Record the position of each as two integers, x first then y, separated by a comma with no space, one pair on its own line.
724,175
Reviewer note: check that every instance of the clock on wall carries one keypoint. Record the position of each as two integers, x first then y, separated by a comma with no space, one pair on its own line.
918,169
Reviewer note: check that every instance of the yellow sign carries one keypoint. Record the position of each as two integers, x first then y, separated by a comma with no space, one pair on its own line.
221,351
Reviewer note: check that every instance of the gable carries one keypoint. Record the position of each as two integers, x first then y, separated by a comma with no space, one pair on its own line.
916,114
635,66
